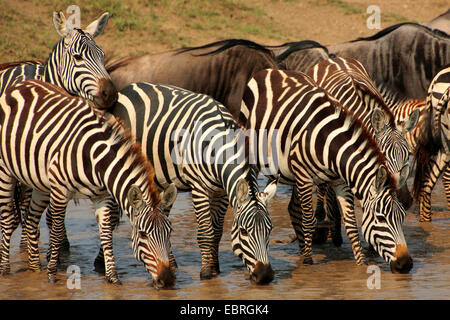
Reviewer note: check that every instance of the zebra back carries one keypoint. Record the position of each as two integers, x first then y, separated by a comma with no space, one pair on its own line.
58,144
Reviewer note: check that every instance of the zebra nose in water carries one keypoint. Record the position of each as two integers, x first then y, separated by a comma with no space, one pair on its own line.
262,274
165,279
107,94
404,262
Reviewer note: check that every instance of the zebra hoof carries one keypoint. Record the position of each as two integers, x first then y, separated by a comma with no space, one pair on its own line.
308,261
206,274
422,219
113,280
4,271
51,278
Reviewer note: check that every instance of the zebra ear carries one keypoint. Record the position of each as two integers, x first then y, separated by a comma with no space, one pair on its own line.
381,178
135,197
411,122
404,173
241,192
270,190
168,196
60,23
378,120
97,27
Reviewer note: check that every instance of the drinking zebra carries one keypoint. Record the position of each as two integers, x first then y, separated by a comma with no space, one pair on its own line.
75,63
63,149
347,80
433,151
193,141
320,141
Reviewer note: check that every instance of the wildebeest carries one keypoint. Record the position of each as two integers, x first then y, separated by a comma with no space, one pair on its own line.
405,56
299,55
219,69
441,22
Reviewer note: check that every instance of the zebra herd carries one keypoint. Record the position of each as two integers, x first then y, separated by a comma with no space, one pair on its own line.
67,133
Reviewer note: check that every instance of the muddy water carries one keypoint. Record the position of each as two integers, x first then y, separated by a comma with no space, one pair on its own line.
333,276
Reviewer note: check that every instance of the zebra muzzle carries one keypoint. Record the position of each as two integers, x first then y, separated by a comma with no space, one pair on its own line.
403,262
165,278
262,273
107,94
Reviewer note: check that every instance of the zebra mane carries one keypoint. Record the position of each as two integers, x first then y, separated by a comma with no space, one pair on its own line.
8,65
297,46
226,44
372,143
394,27
123,136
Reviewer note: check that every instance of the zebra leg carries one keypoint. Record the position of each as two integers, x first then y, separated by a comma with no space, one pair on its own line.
303,191
433,171
105,227
345,199
218,209
295,215
334,216
446,182
57,211
39,202
99,262
205,233
321,234
65,245
9,218
25,198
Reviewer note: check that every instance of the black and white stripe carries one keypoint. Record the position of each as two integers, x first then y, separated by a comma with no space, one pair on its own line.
62,148
433,150
193,141
75,63
319,141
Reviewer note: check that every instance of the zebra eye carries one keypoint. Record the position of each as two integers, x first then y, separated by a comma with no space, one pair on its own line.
78,57
142,234
381,218
244,232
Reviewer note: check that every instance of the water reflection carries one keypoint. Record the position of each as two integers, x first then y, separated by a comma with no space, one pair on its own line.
334,274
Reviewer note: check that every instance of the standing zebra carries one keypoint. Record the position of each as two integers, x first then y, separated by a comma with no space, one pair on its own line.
433,151
75,63
63,149
319,141
347,80
191,141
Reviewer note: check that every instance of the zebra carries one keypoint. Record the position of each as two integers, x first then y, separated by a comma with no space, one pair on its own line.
62,148
432,153
320,141
347,80
193,141
75,63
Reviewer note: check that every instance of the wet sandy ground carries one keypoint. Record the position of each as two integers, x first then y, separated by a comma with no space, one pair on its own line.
334,275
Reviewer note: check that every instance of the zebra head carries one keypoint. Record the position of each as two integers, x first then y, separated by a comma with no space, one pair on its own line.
382,224
251,230
151,230
394,146
76,63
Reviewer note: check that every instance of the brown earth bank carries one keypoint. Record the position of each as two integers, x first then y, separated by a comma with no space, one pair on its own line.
137,27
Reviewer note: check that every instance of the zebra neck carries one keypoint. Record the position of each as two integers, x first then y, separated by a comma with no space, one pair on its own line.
50,71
